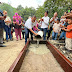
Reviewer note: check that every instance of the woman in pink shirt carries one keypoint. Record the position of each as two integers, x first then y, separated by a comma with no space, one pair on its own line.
18,22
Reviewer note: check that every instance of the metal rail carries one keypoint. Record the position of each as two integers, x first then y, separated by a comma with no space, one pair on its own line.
62,60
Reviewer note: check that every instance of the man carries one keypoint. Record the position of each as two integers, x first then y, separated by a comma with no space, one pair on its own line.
30,23
52,21
2,24
44,24
7,25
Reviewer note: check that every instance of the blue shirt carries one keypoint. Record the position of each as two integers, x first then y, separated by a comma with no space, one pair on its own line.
2,23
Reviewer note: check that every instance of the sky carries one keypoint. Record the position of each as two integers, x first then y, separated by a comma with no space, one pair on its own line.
24,3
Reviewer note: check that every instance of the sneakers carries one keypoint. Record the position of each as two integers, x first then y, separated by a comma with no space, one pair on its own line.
11,39
3,42
16,40
6,40
2,45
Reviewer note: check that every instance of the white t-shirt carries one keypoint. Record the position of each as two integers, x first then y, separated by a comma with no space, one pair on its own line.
57,27
7,19
45,23
51,24
29,24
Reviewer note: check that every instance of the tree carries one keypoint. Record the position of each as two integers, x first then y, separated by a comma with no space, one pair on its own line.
40,12
26,12
59,6
19,7
10,10
52,6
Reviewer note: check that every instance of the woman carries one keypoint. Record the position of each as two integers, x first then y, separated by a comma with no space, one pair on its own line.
18,22
7,26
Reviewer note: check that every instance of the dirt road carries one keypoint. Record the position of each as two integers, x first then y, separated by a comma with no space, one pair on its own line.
8,54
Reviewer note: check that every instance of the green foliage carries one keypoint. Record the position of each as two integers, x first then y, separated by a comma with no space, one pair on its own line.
25,13
40,12
59,6
52,6
11,11
19,8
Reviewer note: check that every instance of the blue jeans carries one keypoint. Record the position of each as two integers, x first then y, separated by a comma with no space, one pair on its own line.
45,31
54,35
8,31
63,34
27,34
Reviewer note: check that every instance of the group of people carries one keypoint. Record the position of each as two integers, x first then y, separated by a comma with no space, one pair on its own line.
61,27
9,26
54,27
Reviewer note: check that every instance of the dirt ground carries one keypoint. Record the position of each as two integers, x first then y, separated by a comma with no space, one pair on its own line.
8,54
37,59
40,60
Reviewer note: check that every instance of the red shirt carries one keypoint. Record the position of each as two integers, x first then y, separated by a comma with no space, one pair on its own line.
69,34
